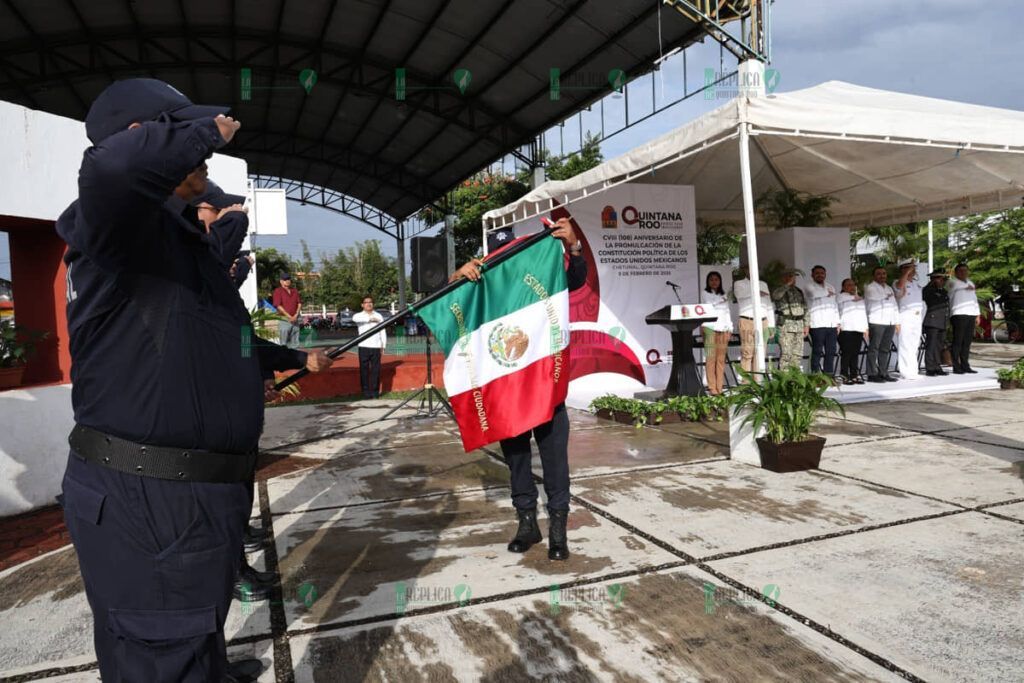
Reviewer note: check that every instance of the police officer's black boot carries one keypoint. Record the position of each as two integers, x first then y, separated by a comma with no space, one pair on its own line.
528,532
558,544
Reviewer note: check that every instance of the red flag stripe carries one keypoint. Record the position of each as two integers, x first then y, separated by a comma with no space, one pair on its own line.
504,403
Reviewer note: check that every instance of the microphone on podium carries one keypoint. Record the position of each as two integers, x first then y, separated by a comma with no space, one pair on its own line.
675,289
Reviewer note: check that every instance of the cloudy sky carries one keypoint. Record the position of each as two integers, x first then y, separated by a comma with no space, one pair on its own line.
950,49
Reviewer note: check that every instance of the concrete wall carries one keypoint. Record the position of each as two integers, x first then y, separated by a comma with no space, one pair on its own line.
804,248
33,446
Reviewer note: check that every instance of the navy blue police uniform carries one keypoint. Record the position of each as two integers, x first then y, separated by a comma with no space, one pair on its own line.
552,439
168,406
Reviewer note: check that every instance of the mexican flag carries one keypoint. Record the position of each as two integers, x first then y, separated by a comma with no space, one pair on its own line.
505,341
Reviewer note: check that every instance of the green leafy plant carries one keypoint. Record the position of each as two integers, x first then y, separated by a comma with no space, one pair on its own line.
260,317
791,209
17,343
784,403
639,411
1014,373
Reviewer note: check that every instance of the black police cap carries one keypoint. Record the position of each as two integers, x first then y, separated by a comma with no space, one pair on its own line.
133,100
216,197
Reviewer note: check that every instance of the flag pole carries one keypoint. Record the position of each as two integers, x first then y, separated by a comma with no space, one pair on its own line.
498,257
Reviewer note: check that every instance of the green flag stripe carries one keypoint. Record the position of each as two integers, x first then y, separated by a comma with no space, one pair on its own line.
514,283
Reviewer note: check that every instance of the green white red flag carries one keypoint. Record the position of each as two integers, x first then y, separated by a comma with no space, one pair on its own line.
506,344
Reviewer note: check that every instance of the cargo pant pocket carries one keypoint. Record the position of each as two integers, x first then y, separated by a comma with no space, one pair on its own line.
154,646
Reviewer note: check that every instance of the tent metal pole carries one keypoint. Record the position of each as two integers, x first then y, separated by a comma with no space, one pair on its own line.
754,271
931,248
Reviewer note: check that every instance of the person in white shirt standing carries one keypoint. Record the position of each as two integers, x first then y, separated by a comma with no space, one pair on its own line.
824,333
965,315
853,325
883,323
911,304
370,349
716,334
742,291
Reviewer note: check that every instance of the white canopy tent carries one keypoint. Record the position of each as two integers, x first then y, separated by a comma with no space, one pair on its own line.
885,157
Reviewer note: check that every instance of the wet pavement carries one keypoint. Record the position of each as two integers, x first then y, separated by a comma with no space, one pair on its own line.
900,559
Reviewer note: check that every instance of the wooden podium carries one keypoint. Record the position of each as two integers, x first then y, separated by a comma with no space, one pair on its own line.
681,321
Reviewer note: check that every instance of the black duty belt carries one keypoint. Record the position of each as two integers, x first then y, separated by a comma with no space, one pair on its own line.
161,462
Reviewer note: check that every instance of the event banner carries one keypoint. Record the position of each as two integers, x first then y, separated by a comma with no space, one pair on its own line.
638,237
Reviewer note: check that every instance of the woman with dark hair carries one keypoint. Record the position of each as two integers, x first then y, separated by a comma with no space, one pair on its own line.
717,333
853,331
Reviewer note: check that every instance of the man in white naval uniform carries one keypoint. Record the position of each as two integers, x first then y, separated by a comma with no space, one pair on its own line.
911,303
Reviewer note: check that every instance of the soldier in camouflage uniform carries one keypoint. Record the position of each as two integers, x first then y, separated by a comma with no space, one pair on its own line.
793,318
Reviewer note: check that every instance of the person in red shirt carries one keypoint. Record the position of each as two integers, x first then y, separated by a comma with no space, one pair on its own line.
287,302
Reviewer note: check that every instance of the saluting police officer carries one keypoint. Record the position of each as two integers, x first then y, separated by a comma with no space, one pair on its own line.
168,407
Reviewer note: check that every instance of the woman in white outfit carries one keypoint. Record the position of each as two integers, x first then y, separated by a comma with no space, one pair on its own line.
717,333
853,327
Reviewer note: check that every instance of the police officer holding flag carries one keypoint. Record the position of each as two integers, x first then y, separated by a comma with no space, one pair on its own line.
168,405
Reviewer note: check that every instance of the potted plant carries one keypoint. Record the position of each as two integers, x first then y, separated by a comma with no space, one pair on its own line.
784,405
16,345
1012,377
627,410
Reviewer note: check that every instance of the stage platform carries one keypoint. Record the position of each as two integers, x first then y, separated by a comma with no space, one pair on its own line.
923,386
581,396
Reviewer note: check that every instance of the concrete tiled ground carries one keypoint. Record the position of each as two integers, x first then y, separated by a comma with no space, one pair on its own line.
390,544
945,600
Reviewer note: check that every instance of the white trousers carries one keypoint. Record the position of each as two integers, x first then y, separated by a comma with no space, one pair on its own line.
909,341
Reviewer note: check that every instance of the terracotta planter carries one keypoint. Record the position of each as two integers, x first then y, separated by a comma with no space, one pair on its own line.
794,456
1009,384
11,377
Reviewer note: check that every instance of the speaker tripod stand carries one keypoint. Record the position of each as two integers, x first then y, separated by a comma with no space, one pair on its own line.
432,401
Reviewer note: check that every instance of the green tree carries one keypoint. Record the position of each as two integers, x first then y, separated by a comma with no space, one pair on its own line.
354,272
563,168
482,192
715,244
269,264
793,209
992,246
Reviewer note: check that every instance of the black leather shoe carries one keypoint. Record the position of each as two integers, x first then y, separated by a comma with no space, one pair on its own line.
941,373
528,532
890,378
958,372
969,371
558,545
876,379
244,671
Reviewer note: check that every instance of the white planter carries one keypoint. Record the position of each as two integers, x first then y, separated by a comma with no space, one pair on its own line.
742,446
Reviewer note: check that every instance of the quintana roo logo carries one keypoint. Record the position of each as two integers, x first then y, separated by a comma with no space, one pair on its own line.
507,344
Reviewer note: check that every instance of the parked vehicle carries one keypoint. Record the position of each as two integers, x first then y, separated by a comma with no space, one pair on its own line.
344,319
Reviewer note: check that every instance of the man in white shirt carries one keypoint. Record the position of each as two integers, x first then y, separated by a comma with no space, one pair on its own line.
821,299
370,349
911,304
883,323
965,315
742,291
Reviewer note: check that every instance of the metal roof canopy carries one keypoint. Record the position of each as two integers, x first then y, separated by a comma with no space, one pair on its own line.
349,135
